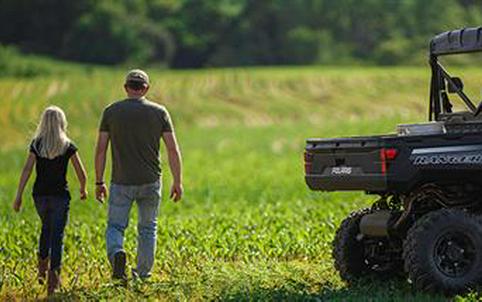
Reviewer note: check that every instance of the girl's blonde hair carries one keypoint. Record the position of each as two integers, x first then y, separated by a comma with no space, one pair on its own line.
51,134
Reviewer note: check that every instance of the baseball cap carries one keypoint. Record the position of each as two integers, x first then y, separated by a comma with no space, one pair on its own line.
137,75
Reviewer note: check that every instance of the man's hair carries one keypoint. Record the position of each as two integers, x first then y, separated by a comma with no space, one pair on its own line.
136,85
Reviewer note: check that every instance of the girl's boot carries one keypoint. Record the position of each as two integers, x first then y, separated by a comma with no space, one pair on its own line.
53,281
43,265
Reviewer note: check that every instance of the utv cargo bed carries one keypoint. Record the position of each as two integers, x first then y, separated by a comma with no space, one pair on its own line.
392,163
346,164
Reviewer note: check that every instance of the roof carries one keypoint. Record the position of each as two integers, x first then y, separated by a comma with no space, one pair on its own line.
457,41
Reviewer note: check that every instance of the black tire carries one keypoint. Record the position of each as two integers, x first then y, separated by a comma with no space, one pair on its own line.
443,252
349,253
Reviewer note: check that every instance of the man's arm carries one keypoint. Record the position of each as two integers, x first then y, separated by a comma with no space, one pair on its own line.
100,159
174,156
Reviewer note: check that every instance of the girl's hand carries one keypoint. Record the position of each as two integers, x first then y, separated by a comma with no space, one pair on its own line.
17,204
83,194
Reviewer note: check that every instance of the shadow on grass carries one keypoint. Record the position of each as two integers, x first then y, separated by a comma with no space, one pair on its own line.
362,291
367,290
132,291
104,292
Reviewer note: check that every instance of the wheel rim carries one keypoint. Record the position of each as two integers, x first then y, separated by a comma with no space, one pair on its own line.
454,254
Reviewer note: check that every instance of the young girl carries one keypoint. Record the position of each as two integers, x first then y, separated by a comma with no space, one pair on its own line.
50,152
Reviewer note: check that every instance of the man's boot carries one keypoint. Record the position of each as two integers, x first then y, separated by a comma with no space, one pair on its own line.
119,267
43,265
53,281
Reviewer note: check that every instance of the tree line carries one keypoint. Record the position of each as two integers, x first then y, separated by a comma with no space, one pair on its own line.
204,33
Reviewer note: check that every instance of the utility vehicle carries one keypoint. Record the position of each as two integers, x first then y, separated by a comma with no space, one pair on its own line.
426,223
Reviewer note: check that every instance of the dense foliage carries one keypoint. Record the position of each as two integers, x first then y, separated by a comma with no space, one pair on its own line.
195,33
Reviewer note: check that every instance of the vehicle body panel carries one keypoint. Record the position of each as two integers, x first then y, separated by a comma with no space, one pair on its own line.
357,164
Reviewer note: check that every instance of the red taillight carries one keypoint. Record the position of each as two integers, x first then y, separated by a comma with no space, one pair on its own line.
387,155
391,154
308,162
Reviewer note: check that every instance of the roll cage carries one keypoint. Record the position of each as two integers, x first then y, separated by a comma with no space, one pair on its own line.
467,40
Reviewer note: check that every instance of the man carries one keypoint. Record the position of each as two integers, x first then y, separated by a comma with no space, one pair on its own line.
134,127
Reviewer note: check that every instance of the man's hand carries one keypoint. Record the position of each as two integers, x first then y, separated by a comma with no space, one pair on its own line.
17,204
101,192
83,194
176,192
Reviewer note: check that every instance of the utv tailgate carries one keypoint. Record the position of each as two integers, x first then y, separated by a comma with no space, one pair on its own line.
346,164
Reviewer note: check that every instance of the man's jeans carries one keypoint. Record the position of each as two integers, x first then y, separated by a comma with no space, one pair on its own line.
54,212
120,202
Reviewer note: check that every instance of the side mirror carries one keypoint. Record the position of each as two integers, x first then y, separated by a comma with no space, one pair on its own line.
456,86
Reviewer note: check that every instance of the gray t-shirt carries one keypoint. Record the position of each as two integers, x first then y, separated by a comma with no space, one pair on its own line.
135,127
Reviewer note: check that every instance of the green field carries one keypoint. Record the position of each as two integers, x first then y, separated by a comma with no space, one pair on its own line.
248,227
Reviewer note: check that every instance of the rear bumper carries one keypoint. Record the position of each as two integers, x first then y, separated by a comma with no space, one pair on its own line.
372,183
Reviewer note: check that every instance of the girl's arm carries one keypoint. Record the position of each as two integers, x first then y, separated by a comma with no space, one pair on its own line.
81,175
26,172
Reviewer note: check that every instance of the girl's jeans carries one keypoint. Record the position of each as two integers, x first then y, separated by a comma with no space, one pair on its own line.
53,211
121,198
